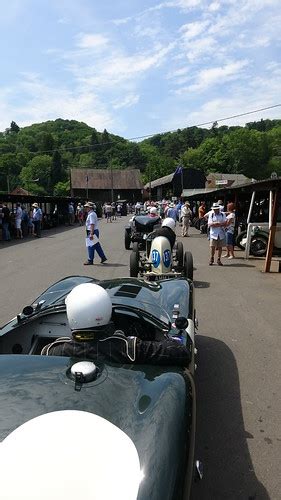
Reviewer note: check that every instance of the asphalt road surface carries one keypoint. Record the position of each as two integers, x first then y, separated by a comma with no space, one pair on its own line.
239,354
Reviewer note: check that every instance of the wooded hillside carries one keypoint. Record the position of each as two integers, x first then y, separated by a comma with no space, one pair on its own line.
39,157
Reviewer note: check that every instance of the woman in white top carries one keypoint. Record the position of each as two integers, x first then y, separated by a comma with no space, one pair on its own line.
230,226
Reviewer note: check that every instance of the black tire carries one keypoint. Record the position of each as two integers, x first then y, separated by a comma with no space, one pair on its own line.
239,238
204,228
134,265
179,253
136,249
258,246
127,240
188,265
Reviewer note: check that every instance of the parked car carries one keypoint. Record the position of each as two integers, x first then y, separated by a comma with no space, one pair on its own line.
259,240
68,427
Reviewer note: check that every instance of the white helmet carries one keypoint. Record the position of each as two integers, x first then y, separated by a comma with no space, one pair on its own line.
88,306
169,222
153,210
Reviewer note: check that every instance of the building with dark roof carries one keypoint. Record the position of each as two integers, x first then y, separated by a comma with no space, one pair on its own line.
217,180
173,184
106,185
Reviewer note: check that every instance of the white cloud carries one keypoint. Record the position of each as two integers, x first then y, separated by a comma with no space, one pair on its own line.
191,30
206,78
214,6
178,73
91,41
120,68
63,20
46,102
127,102
240,96
184,5
202,49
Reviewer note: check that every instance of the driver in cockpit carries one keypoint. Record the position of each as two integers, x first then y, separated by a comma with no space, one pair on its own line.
89,310
167,229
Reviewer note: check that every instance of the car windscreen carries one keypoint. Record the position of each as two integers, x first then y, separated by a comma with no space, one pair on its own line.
56,293
139,295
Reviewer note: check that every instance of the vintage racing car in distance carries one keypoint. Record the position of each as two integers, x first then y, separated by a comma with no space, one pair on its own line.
159,261
74,428
138,229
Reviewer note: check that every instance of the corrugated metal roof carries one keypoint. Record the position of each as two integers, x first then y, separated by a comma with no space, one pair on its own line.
159,182
233,179
105,179
193,192
219,175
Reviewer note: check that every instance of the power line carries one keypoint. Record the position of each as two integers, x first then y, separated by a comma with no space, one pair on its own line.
208,123
98,144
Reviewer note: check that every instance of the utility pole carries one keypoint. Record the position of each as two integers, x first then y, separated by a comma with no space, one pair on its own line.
111,175
87,189
149,182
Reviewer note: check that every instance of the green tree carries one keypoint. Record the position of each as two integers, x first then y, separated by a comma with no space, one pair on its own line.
57,173
14,127
246,151
39,167
274,144
191,159
45,142
86,160
208,154
62,189
10,168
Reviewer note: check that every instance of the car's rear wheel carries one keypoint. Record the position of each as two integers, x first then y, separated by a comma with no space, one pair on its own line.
134,265
258,246
179,253
127,240
188,265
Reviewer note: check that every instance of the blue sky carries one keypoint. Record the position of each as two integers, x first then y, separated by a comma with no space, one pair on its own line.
139,67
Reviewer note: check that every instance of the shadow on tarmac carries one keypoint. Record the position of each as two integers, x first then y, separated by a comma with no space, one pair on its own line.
45,233
221,439
201,284
111,264
234,264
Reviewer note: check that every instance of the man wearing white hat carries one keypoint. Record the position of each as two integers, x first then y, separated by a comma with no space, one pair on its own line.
185,215
216,223
36,219
92,230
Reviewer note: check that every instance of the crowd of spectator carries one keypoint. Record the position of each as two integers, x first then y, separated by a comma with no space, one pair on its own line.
20,222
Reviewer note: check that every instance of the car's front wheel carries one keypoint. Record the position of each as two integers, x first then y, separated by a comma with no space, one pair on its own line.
179,253
258,246
134,265
127,240
188,265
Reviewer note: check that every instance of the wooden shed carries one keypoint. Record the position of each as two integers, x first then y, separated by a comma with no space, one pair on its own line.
106,185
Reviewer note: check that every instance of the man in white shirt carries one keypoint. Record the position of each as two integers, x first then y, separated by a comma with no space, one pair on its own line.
216,223
185,215
92,228
138,208
18,219
37,219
